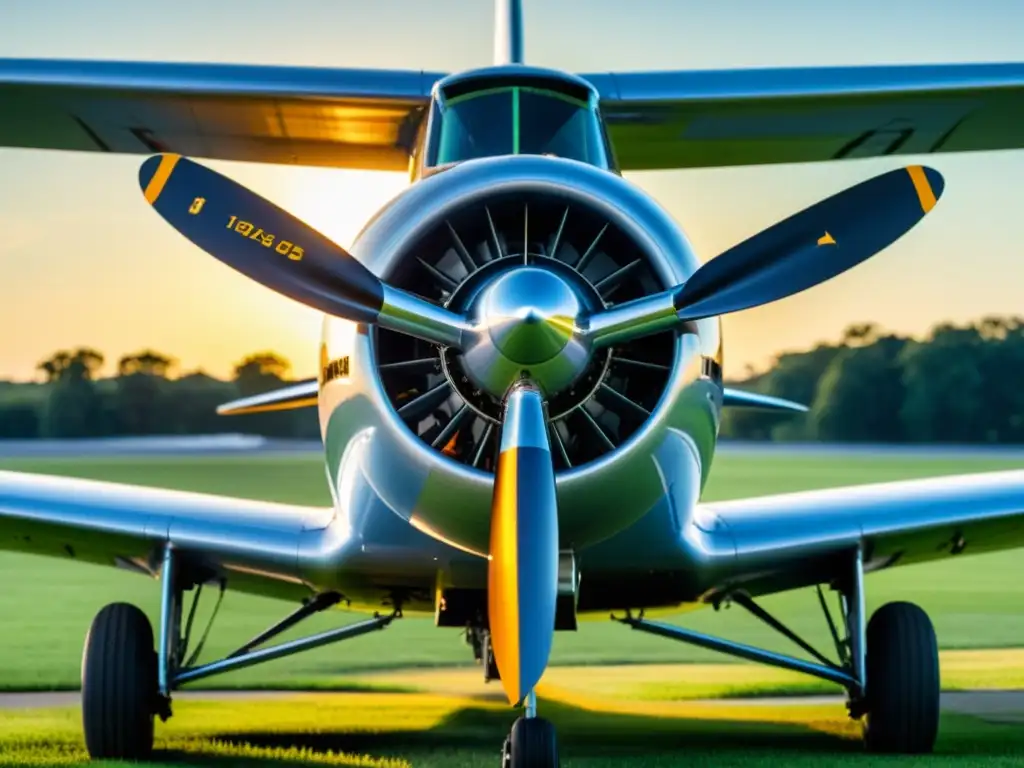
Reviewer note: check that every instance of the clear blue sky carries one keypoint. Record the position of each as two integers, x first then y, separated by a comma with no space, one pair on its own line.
83,260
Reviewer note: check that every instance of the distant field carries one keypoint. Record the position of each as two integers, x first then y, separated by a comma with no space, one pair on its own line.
46,605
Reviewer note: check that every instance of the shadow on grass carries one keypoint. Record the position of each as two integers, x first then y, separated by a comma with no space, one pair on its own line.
473,736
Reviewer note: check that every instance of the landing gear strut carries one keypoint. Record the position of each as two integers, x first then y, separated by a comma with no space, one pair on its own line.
889,668
483,653
125,684
491,671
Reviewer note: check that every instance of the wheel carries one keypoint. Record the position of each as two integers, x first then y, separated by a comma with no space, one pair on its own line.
490,664
902,681
119,684
531,744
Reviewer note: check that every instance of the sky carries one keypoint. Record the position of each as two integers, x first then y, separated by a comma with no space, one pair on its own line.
83,261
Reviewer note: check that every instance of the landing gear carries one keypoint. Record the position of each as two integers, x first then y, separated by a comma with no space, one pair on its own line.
532,742
125,684
487,657
119,686
903,681
479,638
889,667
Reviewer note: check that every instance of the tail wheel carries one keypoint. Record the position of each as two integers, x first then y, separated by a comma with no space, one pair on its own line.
902,681
119,684
532,744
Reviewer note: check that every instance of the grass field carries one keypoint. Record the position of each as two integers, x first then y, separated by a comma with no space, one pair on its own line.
46,607
449,731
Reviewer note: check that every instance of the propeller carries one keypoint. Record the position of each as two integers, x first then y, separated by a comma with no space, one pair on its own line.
269,245
806,249
522,312
522,573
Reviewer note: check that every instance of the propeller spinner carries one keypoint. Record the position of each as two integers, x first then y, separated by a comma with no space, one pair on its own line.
527,338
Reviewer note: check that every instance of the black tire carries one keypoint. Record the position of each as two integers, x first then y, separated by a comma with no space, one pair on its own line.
490,663
903,681
119,684
532,744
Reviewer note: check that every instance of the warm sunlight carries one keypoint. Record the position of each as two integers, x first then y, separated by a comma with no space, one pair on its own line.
339,203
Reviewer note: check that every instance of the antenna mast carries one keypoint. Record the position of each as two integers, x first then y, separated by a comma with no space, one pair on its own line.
508,32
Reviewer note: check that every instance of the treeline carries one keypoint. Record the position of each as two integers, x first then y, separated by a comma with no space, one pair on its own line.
961,384
144,397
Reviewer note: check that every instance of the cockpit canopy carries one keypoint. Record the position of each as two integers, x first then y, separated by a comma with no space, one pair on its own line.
515,111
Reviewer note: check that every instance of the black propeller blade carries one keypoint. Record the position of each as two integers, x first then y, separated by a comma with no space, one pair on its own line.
806,249
812,246
269,245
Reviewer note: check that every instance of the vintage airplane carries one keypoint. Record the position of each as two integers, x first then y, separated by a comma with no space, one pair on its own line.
521,377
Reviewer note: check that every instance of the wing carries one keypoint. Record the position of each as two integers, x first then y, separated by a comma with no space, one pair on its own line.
128,526
754,116
683,552
342,118
777,542
367,553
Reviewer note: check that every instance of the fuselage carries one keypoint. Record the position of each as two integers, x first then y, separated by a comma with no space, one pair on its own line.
512,166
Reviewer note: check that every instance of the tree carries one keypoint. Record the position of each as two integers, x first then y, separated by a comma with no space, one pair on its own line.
193,399
19,421
861,394
261,372
74,408
1001,371
147,362
794,376
140,401
861,334
945,399
83,363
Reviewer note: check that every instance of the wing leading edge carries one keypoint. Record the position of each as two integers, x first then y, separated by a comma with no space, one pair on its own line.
129,526
684,552
345,118
793,539
690,119
361,549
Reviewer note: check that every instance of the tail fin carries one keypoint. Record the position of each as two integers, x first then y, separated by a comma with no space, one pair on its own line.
508,32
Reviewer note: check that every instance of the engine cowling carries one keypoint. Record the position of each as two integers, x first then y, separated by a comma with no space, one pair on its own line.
450,236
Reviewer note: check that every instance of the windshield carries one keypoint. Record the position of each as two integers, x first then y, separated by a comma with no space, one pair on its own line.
517,121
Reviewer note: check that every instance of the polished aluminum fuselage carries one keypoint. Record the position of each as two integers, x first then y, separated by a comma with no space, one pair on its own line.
452,500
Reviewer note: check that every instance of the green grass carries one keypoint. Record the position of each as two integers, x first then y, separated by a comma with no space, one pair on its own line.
431,731
609,717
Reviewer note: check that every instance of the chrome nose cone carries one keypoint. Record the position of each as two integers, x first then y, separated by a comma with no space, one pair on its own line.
526,327
530,315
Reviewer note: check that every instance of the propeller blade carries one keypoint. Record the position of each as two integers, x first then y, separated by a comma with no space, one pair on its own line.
522,573
812,246
269,245
806,249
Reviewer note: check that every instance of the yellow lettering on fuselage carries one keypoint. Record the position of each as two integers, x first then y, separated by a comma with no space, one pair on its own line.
335,369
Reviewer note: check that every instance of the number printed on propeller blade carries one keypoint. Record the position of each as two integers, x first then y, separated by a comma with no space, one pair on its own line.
249,230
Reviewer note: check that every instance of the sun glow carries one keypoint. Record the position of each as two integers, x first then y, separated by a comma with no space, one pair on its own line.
339,203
